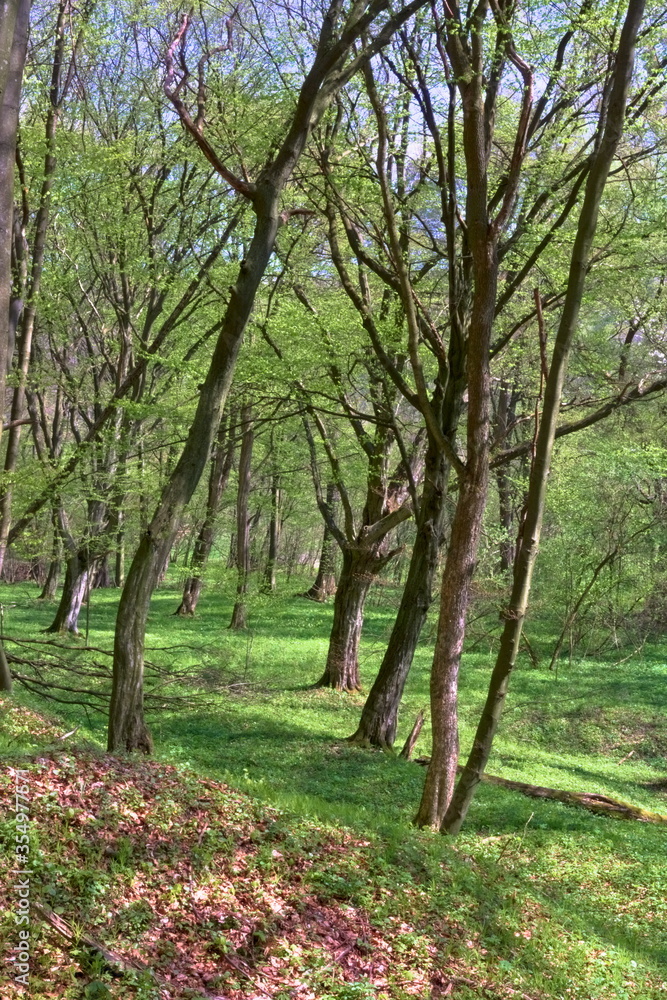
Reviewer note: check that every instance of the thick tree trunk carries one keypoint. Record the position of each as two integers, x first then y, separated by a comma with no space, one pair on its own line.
239,614
342,668
379,718
324,586
528,543
75,589
221,465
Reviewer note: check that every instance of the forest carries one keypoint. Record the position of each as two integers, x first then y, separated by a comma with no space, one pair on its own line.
333,501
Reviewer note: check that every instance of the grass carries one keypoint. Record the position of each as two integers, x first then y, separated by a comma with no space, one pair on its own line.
539,898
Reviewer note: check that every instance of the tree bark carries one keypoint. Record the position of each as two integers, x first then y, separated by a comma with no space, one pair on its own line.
14,19
530,534
474,476
324,585
75,588
127,729
360,567
379,718
269,584
53,574
504,415
239,614
221,465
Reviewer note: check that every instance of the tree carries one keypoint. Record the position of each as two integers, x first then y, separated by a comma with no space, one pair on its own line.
438,808
14,16
345,42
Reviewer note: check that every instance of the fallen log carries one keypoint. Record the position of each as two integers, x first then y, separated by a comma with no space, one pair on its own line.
603,805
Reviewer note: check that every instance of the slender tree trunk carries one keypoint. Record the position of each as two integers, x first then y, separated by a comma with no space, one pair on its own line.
231,555
274,538
119,559
239,614
324,586
14,19
530,535
51,583
473,479
506,518
5,673
221,465
504,416
379,718
37,262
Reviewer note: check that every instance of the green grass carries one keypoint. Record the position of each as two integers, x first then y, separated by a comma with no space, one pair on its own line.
560,903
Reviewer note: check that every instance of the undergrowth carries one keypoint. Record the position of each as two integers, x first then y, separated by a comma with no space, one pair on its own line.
308,879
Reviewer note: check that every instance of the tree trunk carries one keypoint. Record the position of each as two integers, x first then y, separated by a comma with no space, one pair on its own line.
53,574
360,567
379,718
221,465
239,614
75,589
36,267
5,673
14,19
474,476
119,560
506,518
269,585
324,586
530,535
504,415
231,555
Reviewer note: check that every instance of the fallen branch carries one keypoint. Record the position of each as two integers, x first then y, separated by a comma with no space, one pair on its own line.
601,804
72,937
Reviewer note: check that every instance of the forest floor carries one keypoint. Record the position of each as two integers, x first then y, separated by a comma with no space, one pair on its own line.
258,854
